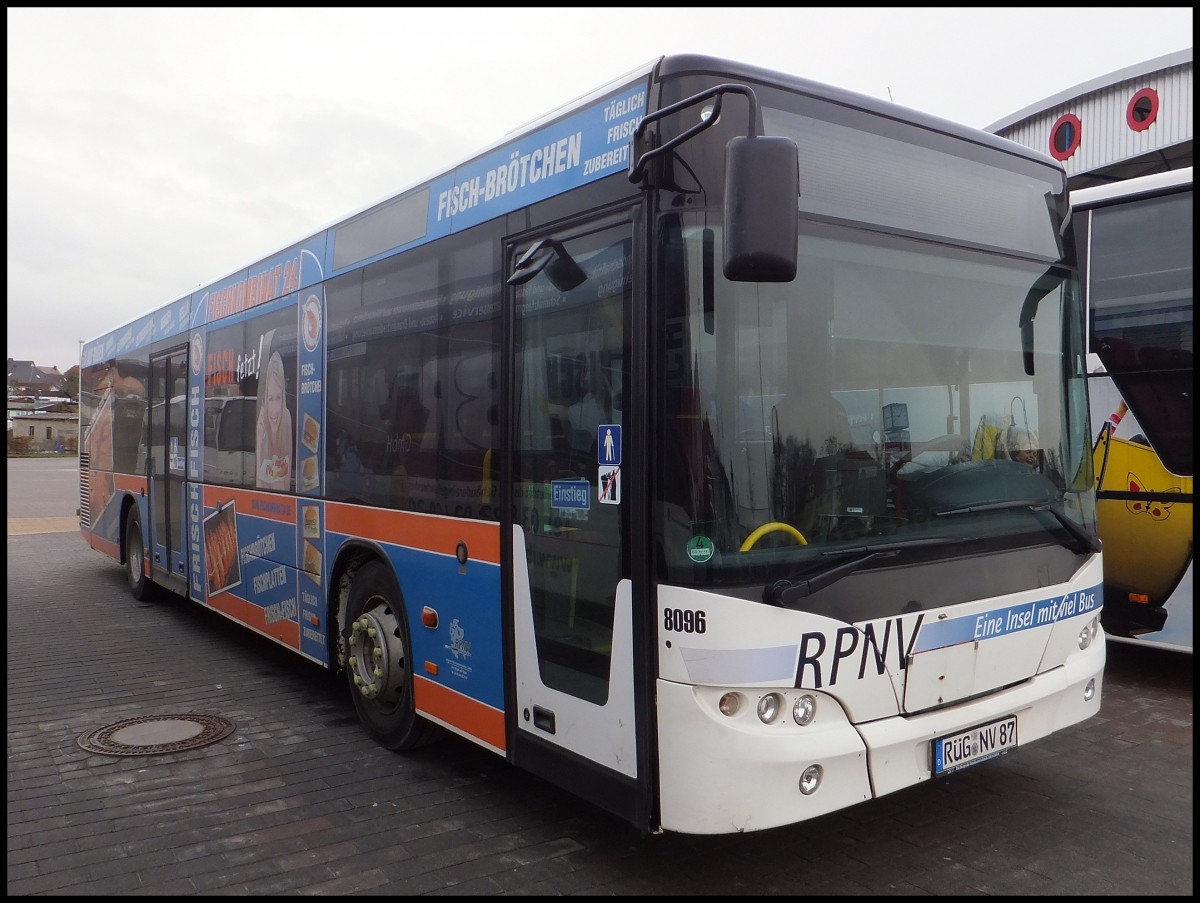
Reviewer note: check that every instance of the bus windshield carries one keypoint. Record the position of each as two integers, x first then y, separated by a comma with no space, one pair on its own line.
884,399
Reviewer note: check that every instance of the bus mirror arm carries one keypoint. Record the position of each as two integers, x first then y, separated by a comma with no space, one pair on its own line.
549,255
642,151
1027,346
762,183
1045,283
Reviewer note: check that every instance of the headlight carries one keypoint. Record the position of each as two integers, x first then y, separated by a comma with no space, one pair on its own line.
805,709
768,707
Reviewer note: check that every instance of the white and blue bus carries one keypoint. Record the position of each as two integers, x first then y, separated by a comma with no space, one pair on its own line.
716,447
1135,262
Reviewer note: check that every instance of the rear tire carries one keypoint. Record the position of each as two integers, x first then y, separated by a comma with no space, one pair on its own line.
135,556
377,652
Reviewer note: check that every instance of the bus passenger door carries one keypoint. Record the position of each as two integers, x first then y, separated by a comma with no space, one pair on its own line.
572,601
167,459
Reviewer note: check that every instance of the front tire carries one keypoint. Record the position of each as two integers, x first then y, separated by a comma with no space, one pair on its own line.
135,556
377,652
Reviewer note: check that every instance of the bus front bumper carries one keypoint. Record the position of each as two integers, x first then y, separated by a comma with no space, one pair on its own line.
722,774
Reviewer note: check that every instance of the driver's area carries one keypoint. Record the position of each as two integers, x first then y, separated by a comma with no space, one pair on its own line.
859,405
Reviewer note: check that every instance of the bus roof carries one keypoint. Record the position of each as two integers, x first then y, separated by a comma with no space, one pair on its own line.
1129,188
686,64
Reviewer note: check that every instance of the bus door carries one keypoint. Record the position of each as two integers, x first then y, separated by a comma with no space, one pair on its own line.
167,459
572,603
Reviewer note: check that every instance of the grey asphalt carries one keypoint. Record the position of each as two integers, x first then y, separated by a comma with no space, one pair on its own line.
297,800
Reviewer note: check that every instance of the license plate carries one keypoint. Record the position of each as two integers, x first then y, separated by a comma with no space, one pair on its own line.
974,745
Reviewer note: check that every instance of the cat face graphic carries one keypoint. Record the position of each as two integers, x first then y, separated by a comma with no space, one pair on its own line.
1156,508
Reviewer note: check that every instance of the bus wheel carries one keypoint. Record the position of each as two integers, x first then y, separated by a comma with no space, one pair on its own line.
378,659
135,556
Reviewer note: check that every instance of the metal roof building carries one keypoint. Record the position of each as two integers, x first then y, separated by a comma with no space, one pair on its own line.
1132,122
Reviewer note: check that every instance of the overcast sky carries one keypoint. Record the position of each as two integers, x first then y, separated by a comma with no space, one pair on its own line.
151,152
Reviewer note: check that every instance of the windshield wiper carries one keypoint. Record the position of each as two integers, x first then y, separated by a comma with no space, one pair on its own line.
1089,541
786,591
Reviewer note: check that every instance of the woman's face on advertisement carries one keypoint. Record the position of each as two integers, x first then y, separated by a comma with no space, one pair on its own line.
274,401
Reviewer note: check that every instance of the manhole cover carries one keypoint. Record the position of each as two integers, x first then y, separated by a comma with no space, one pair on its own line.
154,734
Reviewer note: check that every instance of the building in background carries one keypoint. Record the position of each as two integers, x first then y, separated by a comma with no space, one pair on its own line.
27,378
43,410
1132,122
44,431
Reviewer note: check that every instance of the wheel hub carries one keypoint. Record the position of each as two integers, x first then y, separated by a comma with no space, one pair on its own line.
376,676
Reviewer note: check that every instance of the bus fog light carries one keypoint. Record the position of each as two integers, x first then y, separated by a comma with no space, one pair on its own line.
805,709
730,703
768,708
1090,690
810,780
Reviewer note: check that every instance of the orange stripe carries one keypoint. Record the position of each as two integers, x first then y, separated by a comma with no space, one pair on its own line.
129,483
259,504
216,496
228,604
419,531
464,713
286,632
111,549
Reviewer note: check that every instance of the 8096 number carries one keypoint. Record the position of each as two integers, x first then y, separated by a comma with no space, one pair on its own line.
683,620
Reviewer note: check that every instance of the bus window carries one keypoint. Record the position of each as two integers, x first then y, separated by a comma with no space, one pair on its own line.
1136,242
229,438
569,345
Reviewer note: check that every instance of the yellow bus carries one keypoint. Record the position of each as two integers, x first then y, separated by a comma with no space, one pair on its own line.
1135,241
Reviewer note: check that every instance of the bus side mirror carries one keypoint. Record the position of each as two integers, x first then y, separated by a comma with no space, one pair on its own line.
762,183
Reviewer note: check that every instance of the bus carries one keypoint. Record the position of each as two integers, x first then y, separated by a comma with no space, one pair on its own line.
1135,257
663,448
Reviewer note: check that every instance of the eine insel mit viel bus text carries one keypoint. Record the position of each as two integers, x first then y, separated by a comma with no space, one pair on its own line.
664,448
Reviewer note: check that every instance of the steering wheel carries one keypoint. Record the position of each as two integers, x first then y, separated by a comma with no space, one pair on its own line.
772,527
